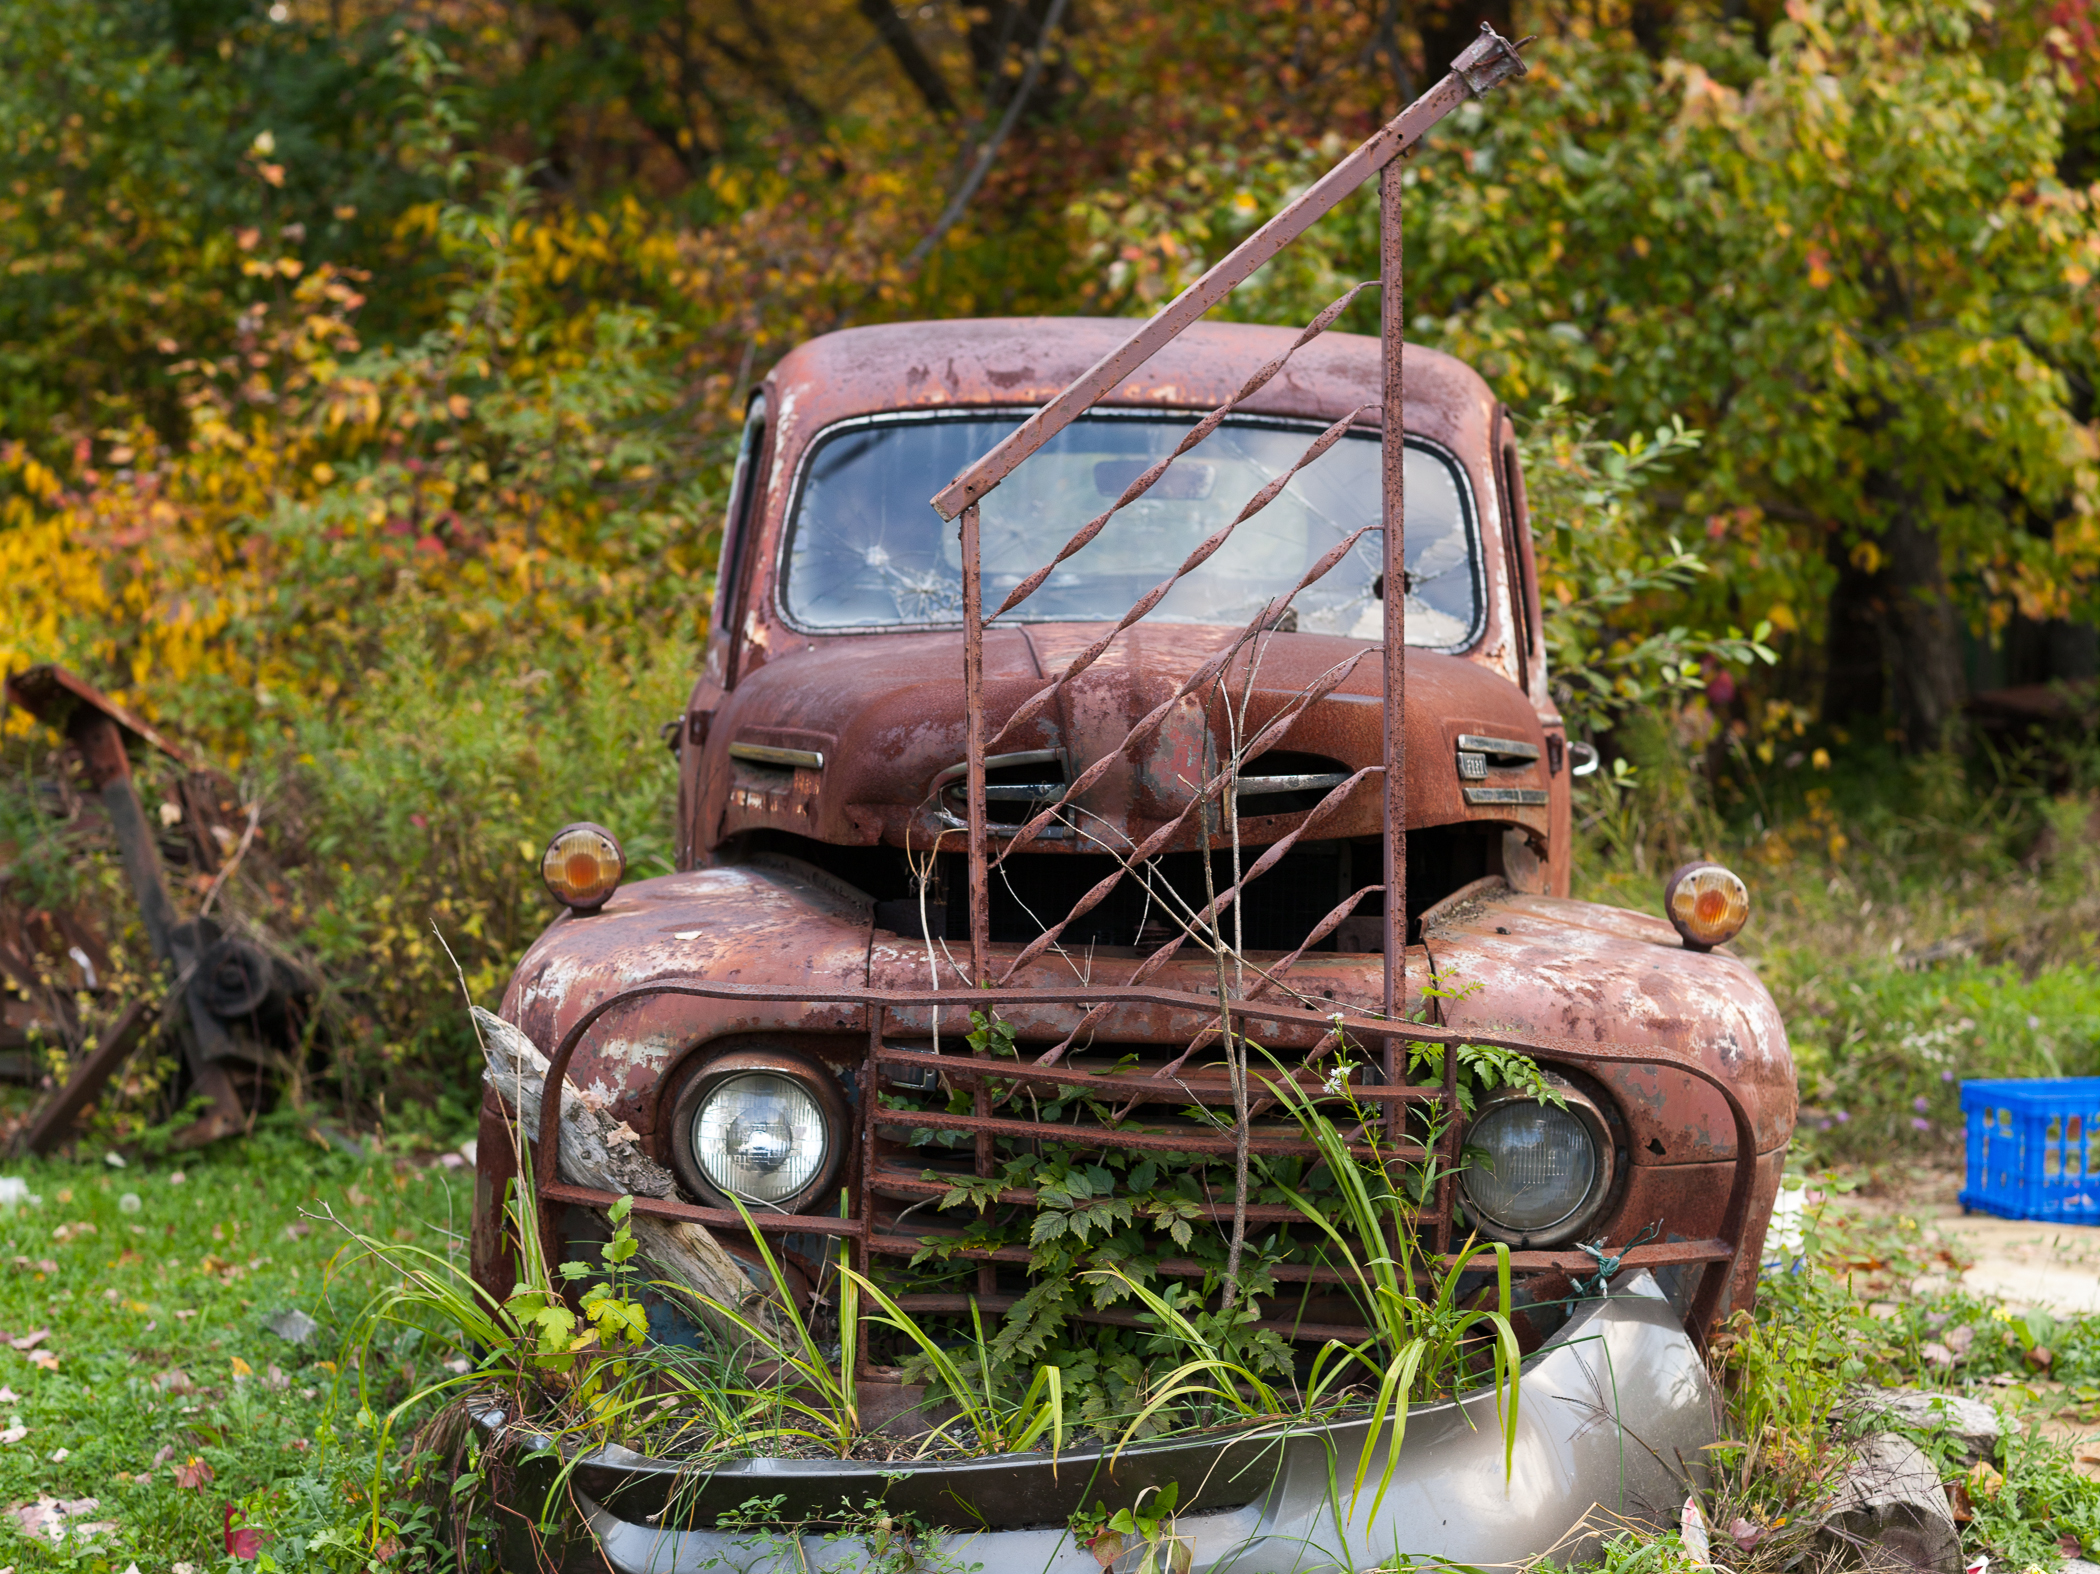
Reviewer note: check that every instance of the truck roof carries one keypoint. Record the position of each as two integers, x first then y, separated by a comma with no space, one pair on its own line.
1024,361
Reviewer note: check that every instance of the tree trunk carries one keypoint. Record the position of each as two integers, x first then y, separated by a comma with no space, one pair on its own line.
1853,689
1921,637
1892,642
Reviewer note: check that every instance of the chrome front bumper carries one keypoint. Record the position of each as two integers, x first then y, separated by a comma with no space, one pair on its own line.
1615,1412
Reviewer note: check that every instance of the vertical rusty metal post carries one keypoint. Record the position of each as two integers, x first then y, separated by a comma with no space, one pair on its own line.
100,740
973,723
973,788
1393,446
864,1186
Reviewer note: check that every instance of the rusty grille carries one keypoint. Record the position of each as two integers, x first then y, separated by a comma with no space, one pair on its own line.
890,1188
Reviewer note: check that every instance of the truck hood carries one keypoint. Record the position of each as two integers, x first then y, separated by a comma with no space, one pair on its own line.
886,713
1545,967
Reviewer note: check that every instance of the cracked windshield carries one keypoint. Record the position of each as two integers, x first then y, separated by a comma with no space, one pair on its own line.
867,550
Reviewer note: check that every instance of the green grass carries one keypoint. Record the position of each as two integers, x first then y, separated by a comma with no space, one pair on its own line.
184,1284
1917,922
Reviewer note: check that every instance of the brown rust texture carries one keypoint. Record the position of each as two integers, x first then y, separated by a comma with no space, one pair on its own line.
894,703
1512,958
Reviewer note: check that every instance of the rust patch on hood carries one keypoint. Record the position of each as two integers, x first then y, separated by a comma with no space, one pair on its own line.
733,925
1550,966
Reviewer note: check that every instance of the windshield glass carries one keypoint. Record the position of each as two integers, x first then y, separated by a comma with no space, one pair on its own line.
866,550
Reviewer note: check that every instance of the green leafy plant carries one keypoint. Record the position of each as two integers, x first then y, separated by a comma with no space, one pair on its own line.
1420,1344
988,1421
1147,1524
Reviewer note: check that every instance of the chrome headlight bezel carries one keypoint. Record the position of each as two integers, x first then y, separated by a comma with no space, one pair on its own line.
808,1075
1591,1121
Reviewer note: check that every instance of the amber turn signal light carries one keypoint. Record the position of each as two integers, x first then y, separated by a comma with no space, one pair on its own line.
582,866
1707,904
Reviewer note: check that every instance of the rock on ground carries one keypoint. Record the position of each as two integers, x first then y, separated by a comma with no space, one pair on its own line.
1976,1426
1891,1512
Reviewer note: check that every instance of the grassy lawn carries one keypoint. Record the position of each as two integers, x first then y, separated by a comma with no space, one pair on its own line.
159,1390
1911,940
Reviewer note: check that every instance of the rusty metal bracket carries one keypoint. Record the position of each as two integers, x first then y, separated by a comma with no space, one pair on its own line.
98,728
1489,61
1484,59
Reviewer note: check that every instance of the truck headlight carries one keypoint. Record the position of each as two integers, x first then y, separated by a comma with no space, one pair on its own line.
766,1129
1541,1171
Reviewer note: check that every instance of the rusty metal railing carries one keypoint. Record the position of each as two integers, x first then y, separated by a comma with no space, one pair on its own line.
1489,60
1197,1018
907,1009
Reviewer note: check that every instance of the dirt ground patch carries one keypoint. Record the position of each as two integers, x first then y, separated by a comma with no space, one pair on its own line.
2020,1264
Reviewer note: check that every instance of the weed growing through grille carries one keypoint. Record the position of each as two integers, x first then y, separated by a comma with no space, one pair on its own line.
1420,1345
987,1420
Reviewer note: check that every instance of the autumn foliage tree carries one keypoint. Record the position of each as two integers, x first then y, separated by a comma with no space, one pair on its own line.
370,370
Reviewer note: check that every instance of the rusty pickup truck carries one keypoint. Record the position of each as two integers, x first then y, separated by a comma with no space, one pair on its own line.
1148,737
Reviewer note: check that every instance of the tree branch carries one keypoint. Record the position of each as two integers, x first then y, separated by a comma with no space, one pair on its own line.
990,150
903,45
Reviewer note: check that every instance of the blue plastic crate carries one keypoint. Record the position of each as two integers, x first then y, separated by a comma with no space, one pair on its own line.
2034,1148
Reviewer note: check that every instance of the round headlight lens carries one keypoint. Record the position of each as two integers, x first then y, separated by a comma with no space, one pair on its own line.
1706,904
582,866
760,1136
1539,1166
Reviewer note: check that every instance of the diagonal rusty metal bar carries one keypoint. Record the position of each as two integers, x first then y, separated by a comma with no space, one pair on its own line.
1196,680
1196,434
1270,490
1271,856
1320,931
1159,959
1489,60
1318,689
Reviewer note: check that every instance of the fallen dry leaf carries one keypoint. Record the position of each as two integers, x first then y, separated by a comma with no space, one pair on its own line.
1958,1503
46,1517
45,1359
244,1541
14,1434
197,1473
166,1453
174,1381
277,1378
30,1341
